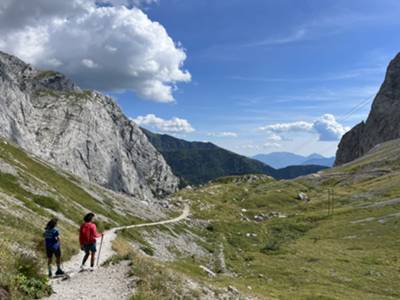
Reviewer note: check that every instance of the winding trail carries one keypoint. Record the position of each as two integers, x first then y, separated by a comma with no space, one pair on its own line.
184,215
106,283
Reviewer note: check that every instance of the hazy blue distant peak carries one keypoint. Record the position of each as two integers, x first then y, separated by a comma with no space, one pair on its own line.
284,159
315,155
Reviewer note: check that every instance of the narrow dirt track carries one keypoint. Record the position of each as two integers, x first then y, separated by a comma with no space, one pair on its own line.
106,283
184,215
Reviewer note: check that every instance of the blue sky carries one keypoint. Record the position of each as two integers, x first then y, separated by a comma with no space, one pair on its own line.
256,63
252,76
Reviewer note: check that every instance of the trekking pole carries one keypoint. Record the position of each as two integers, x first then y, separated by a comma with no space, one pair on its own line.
98,256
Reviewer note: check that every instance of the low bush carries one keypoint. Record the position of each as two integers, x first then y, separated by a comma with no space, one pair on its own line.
47,202
148,250
284,232
29,279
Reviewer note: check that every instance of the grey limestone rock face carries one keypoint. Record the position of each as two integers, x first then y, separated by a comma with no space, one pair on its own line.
383,123
83,132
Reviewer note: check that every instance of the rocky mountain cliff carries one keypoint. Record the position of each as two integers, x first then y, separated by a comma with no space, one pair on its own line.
383,123
83,132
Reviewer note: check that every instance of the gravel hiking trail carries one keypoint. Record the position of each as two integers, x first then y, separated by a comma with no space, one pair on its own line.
104,283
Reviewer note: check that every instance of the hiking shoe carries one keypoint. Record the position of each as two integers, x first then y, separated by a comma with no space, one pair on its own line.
50,274
60,272
82,269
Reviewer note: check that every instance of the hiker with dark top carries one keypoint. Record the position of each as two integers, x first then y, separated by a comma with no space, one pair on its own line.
87,238
53,246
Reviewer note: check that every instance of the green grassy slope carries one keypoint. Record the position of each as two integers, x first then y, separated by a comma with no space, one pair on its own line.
198,162
31,192
309,254
302,252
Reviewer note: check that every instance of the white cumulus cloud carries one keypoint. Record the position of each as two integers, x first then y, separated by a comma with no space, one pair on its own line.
89,63
249,147
326,127
287,127
174,125
110,48
273,137
223,134
272,145
127,2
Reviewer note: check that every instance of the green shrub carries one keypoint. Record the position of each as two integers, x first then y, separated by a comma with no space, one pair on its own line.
9,183
284,232
148,250
35,288
29,279
271,246
27,266
140,296
47,202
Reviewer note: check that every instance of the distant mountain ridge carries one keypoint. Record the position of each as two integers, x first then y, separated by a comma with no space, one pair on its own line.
200,162
285,159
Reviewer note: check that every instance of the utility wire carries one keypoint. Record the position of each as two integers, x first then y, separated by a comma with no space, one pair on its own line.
343,117
357,108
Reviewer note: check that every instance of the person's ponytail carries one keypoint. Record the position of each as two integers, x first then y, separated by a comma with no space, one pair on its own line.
51,224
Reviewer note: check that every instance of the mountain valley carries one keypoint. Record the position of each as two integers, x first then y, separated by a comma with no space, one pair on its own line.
330,234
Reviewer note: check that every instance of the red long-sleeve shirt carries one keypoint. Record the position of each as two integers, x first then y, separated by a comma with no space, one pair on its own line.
88,233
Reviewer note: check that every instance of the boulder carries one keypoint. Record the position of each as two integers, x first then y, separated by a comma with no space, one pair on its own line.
233,290
4,294
208,271
303,197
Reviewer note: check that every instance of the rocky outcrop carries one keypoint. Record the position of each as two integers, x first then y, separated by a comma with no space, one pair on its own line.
83,132
4,294
383,123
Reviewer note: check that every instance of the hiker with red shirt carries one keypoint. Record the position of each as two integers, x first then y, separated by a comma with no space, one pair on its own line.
87,238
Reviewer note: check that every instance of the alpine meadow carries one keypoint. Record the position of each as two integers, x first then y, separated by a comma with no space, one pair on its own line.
178,150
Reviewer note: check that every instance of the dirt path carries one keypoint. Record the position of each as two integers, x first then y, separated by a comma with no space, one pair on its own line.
106,283
184,215
381,204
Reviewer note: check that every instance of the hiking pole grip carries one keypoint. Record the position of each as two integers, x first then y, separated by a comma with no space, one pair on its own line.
98,256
